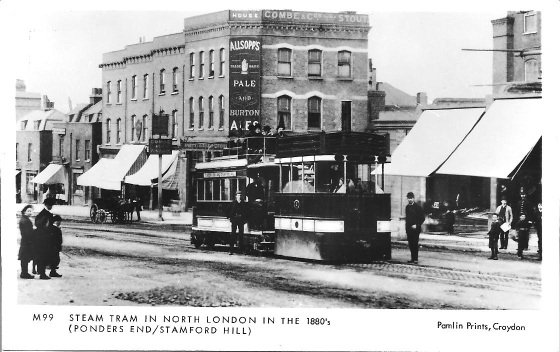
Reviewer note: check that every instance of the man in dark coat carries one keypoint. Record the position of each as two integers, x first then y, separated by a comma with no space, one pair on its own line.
26,249
43,222
56,246
238,216
255,195
538,227
524,206
414,220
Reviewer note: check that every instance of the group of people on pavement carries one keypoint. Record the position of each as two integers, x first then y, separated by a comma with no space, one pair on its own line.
502,222
41,243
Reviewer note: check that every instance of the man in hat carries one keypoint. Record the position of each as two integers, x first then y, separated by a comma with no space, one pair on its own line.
524,206
43,223
238,217
505,216
413,224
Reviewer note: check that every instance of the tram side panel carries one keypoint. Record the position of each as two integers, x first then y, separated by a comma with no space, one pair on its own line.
333,227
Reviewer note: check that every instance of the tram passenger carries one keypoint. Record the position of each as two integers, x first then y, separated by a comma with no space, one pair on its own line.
341,187
237,215
414,220
255,194
350,186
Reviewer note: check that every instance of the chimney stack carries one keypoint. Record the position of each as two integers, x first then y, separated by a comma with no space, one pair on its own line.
96,95
47,104
421,98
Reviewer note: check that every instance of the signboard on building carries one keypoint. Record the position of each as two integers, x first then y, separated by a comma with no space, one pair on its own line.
244,83
160,146
59,130
283,16
203,146
160,124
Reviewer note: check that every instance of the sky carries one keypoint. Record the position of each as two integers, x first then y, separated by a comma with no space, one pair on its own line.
59,52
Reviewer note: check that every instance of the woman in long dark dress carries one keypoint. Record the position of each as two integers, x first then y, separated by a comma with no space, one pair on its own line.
26,247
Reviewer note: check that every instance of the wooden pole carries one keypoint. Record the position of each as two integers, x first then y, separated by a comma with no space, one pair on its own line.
159,189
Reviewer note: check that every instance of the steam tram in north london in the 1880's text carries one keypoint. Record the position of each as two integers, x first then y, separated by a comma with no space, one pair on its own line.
310,196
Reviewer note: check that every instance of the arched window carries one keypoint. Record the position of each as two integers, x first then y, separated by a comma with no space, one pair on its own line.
211,112
531,70
191,112
175,79
162,81
211,63
284,62
314,113
222,111
119,136
285,112
344,64
201,112
108,131
314,63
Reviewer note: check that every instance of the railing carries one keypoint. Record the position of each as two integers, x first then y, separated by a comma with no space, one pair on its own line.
254,149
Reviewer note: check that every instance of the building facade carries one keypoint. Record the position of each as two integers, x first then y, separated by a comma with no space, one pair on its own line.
302,71
25,101
517,49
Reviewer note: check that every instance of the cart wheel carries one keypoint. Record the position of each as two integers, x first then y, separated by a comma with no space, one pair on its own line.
101,216
93,213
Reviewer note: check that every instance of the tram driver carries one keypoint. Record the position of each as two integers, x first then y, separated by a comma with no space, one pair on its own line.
237,215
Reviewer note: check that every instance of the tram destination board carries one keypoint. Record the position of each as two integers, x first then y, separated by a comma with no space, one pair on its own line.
160,146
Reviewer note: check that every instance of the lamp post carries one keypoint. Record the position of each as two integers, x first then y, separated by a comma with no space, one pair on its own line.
160,146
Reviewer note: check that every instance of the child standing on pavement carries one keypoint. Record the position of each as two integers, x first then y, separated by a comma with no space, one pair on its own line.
493,236
523,226
56,243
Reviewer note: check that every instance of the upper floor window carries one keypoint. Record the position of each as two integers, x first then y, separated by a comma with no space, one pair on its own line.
119,92
145,86
77,149
201,64
144,128
175,79
314,113
284,62
221,101
530,22
200,112
211,63
285,112
191,113
162,81
119,131
87,149
36,125
314,63
109,92
344,64
23,125
211,112
134,84
174,125
30,151
108,129
531,70
192,63
61,146
222,61
17,151
132,127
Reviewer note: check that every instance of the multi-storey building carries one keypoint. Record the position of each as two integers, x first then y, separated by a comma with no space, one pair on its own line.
25,101
517,49
303,71
34,149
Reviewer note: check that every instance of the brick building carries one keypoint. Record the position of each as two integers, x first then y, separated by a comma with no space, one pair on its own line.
304,71
517,49
25,101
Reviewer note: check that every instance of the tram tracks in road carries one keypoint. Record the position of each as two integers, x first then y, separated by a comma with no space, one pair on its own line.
461,277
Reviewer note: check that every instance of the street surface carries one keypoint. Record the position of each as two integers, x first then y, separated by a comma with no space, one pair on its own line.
155,264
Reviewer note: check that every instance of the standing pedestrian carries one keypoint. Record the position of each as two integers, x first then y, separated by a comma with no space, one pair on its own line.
413,223
493,236
26,246
238,217
43,222
449,218
524,206
505,216
538,227
56,246
523,227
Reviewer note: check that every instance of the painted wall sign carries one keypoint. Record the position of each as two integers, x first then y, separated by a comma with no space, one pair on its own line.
220,174
244,83
160,146
275,16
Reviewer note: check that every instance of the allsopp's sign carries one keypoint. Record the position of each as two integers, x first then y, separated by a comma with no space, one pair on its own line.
244,83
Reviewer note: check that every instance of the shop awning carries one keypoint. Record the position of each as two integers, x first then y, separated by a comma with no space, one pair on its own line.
502,139
93,175
124,160
171,178
432,139
150,170
52,174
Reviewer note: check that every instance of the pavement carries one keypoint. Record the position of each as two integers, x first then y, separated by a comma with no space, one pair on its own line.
464,241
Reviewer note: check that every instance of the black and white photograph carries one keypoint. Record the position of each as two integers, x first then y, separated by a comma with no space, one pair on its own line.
280,176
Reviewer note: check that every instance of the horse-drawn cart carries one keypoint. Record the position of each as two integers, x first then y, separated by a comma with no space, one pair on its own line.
111,209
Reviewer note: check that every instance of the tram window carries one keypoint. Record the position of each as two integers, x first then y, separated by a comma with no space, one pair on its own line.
233,188
216,190
208,189
241,186
225,189
200,192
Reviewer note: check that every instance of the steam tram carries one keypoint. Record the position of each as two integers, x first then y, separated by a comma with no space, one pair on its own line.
318,199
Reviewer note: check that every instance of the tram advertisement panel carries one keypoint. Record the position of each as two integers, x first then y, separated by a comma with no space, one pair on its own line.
244,83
